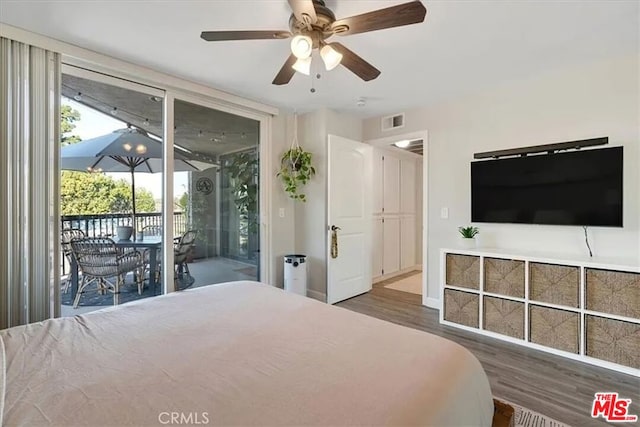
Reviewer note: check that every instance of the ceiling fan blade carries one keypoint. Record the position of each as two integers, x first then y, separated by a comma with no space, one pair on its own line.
394,16
286,72
356,64
216,36
304,7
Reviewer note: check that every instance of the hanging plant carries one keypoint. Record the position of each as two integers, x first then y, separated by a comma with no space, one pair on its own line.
295,171
295,167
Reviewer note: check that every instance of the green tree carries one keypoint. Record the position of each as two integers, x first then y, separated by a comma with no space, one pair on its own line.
83,193
183,202
68,117
121,198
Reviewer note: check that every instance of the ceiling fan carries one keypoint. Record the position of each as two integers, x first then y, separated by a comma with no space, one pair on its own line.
312,23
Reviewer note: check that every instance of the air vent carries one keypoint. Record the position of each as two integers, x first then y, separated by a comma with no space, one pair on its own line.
393,122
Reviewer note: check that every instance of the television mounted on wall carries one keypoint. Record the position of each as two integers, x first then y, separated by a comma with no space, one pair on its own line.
581,187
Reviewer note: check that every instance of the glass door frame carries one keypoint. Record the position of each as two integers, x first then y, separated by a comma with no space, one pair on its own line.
69,68
169,96
264,154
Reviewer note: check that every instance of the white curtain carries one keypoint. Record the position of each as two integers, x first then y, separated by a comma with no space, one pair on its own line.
29,183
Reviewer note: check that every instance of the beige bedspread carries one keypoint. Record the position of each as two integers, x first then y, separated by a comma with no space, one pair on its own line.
239,353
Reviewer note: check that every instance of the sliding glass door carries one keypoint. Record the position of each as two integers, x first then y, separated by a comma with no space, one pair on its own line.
111,192
219,200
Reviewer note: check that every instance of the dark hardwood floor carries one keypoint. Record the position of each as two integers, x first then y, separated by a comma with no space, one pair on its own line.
557,387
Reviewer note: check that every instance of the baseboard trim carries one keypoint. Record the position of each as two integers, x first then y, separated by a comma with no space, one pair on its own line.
320,296
431,303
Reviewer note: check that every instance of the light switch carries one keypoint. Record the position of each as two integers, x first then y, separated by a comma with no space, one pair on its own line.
281,212
444,213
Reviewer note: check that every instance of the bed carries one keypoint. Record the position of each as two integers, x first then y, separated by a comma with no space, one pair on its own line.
239,353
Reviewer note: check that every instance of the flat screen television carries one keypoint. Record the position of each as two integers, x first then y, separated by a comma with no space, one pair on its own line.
572,188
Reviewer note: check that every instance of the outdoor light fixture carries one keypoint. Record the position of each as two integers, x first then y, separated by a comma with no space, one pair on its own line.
78,97
114,111
330,57
301,46
146,122
402,144
303,65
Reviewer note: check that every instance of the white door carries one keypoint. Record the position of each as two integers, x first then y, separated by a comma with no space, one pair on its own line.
391,191
408,186
378,245
378,181
391,245
349,209
407,242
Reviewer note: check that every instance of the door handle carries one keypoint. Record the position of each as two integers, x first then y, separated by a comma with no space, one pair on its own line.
334,241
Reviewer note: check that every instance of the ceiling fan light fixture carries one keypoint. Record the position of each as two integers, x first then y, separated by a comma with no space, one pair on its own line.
301,46
330,57
303,65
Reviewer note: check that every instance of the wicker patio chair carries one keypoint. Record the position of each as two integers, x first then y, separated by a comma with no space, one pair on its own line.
99,260
67,235
152,230
182,250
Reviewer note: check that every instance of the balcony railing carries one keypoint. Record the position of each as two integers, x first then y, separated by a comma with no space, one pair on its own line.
104,225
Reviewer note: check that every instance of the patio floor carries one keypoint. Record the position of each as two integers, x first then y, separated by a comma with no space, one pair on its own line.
204,271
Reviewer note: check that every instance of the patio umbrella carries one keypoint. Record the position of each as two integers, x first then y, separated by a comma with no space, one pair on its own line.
124,150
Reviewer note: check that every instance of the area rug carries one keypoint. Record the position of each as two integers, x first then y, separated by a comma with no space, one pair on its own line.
128,293
411,284
524,417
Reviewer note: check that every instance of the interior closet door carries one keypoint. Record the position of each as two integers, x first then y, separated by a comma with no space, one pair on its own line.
391,245
378,247
391,184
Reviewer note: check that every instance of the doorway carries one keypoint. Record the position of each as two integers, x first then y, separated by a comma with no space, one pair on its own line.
209,144
220,203
400,216
110,179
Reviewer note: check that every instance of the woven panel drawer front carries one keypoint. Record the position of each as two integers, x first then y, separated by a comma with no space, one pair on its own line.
461,307
613,340
463,271
504,317
555,284
554,328
504,277
613,292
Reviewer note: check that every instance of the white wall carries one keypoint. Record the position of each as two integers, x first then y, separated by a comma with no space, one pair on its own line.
283,242
311,217
597,99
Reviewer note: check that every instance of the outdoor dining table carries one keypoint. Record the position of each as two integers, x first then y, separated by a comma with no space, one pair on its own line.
153,243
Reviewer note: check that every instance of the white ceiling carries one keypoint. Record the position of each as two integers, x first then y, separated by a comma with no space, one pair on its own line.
463,46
